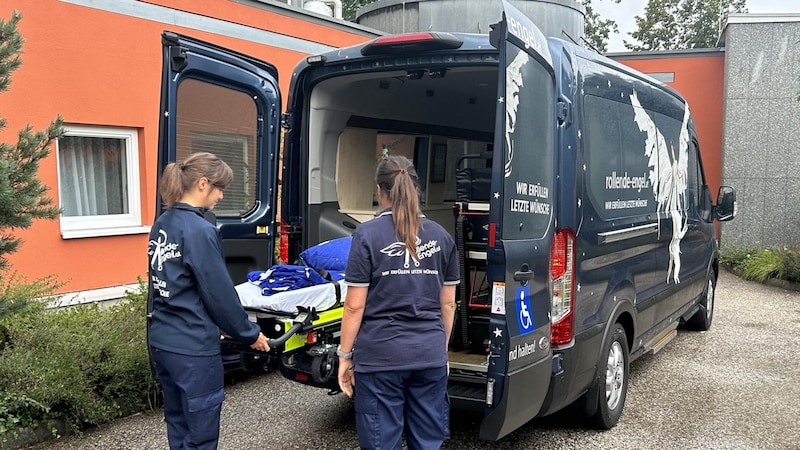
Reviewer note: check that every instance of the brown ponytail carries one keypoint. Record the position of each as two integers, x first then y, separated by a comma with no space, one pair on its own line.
397,177
179,177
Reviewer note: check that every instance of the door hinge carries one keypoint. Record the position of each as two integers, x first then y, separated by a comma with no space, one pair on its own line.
564,111
178,59
286,121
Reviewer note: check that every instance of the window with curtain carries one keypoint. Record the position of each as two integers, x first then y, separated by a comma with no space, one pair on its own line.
98,181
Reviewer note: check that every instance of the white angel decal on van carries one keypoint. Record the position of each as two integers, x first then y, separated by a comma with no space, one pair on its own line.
668,176
513,86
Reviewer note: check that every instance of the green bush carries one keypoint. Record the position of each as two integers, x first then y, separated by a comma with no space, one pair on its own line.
85,365
762,266
790,264
759,264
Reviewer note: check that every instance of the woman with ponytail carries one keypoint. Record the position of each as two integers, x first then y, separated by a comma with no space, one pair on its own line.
193,299
401,274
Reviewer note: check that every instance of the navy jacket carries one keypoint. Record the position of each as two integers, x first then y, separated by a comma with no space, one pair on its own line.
193,295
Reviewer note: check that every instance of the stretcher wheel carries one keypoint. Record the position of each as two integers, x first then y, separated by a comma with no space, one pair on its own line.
323,367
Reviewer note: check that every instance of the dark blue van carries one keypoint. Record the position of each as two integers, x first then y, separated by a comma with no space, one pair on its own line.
573,186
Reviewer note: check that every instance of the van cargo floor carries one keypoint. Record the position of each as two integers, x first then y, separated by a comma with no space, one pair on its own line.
467,360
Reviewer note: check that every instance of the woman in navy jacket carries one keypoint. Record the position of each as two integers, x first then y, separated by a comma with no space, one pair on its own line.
193,299
401,273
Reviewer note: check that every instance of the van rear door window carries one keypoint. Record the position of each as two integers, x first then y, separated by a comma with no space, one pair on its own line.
528,157
223,121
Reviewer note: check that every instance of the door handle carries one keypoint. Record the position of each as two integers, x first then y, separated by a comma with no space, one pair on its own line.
524,274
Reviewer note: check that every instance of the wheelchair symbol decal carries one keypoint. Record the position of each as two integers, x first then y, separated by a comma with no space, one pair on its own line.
522,300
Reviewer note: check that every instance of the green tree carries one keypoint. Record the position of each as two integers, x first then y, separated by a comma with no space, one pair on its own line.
597,30
350,7
681,24
23,197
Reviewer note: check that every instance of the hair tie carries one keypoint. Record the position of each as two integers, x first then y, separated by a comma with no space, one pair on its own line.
182,166
403,171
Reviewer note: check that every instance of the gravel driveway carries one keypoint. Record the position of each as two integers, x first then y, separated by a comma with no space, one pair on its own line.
736,386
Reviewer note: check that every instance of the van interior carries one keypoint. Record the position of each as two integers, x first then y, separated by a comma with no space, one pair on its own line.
443,119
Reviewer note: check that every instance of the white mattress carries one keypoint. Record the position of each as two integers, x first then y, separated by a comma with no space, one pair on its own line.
321,297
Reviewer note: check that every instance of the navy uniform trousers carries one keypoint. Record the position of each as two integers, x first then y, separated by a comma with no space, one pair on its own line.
193,388
391,403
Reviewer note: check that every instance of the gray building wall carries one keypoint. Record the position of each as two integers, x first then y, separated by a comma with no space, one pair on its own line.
761,129
552,17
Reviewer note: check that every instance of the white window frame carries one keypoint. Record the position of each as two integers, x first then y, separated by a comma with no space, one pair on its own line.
113,224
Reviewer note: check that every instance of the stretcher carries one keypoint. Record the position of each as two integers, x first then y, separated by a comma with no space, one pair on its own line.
302,327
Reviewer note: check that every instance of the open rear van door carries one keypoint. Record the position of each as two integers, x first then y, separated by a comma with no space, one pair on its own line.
219,101
521,227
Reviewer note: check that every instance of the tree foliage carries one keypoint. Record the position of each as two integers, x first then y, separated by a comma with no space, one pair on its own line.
23,197
350,7
597,30
681,24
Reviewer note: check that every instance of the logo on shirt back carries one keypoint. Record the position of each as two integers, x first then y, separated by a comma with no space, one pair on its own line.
426,250
160,251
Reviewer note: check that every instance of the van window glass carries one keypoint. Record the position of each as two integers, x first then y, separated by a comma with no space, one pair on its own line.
527,147
617,166
675,160
695,173
223,121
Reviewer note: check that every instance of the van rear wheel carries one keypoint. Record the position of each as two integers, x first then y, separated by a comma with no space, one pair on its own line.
701,320
607,397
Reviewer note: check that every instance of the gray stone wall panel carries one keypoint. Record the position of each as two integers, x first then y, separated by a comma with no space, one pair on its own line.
761,133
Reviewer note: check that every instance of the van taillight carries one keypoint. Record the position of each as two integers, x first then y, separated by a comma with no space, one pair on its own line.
283,249
562,270
411,42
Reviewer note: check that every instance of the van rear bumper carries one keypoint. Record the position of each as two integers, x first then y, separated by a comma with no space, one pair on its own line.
574,370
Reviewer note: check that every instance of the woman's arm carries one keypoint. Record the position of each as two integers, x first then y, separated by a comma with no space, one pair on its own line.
447,299
351,321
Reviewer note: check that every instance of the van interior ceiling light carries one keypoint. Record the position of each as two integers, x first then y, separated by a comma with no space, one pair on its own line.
415,74
438,73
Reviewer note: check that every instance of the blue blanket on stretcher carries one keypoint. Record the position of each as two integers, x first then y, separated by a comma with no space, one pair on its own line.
285,277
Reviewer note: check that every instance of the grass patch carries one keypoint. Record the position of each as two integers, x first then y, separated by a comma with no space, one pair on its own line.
763,264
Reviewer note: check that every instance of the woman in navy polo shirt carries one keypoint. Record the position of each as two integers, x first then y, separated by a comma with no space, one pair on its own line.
401,274
193,298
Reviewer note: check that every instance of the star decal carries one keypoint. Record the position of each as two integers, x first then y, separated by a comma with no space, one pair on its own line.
501,100
498,333
578,287
579,203
496,195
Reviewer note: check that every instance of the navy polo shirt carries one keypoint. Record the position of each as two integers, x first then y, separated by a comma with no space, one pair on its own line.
402,324
193,295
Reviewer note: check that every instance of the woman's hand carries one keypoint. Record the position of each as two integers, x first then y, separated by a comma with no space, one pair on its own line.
261,343
347,378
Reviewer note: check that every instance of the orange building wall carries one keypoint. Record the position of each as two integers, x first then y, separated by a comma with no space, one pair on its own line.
95,67
700,80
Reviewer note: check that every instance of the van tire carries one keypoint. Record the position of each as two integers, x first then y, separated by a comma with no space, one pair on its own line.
611,385
701,320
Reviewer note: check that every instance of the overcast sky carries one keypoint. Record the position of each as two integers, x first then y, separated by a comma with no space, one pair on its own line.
624,12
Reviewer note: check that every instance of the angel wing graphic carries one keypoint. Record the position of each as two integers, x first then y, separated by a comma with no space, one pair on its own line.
513,86
399,249
156,250
668,176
